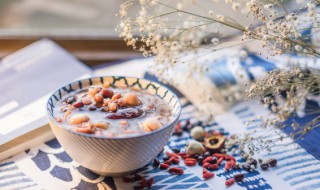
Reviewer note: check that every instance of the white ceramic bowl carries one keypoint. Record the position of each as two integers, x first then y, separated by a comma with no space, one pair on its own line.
120,155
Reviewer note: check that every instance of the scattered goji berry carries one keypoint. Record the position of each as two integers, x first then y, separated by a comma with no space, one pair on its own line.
164,166
143,183
150,182
207,159
178,130
178,126
214,133
191,159
176,171
230,164
190,163
227,167
205,165
185,156
181,153
220,160
169,161
219,155
169,154
176,160
212,167
230,182
228,157
207,175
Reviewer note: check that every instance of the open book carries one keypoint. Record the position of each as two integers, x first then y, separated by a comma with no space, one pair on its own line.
27,78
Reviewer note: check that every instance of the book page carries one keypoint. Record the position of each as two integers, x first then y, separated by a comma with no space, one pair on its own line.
27,78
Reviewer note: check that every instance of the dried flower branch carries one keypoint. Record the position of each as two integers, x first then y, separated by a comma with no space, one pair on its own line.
285,92
170,31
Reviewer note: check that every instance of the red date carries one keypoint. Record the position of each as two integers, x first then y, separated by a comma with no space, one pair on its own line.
128,113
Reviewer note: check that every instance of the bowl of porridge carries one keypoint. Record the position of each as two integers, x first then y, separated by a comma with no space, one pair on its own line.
113,125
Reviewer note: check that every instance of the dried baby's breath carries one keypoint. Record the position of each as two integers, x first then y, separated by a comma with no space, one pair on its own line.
285,93
170,30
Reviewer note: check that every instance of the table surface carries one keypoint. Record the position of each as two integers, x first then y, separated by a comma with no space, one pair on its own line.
48,166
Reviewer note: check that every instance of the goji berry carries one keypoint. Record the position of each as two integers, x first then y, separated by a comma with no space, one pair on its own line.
228,157
230,182
178,126
150,182
176,160
169,161
169,154
220,160
219,155
190,163
212,167
191,159
143,183
164,166
207,159
205,165
214,133
230,164
207,175
181,153
185,156
176,171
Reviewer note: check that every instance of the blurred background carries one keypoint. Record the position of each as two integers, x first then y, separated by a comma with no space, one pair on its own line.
86,28
83,27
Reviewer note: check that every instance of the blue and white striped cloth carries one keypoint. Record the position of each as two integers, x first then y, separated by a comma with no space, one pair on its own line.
47,166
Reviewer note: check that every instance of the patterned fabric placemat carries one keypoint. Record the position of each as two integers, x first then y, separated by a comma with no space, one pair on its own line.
48,166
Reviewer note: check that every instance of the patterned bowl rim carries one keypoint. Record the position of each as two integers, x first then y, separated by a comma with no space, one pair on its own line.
176,117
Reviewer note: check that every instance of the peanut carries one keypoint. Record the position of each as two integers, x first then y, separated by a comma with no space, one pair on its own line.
112,106
151,124
102,125
116,96
87,127
94,90
131,99
106,102
78,119
98,98
123,122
